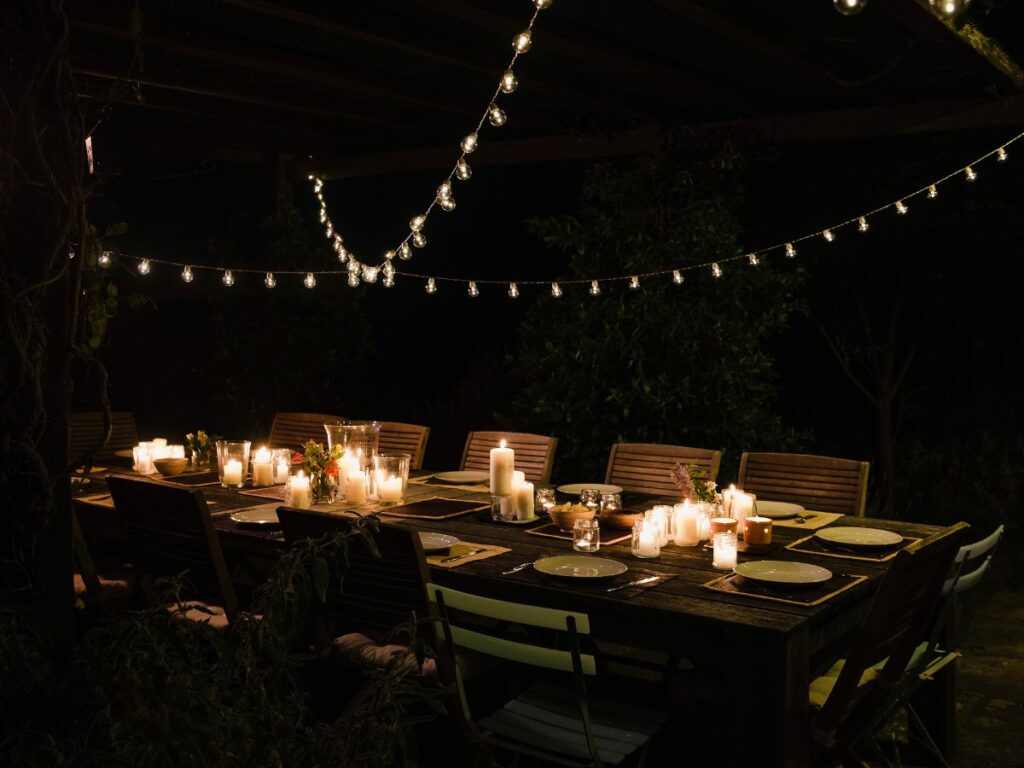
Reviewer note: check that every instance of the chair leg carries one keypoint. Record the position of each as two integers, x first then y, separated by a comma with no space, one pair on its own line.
926,738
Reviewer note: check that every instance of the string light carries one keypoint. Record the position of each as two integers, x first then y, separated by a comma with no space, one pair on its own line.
105,259
513,291
970,173
933,192
419,239
556,290
469,143
447,203
542,4
388,270
388,281
827,234
716,270
228,279
522,42
473,291
509,82
462,170
186,274
849,7
341,251
445,190
496,115
370,274
790,251
431,286
404,251
634,282
388,256
677,277
949,8
901,208
353,280
144,267
595,288
310,280
862,224
269,280
752,258
416,222
1001,154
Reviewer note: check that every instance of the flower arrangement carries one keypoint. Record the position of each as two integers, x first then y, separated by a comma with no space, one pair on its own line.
199,446
321,464
693,484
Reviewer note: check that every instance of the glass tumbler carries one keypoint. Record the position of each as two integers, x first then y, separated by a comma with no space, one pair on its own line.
545,499
591,499
232,462
390,476
586,535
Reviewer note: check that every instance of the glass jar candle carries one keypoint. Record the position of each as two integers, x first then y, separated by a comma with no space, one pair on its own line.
282,460
545,499
591,499
646,539
390,476
724,551
232,462
262,467
586,535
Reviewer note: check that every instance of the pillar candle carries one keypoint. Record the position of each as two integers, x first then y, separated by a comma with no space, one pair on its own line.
503,462
233,472
281,472
686,529
524,501
757,531
262,469
724,553
355,487
389,489
645,541
742,505
298,491
159,442
348,463
727,497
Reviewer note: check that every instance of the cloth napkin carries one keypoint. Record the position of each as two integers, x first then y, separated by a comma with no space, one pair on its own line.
489,550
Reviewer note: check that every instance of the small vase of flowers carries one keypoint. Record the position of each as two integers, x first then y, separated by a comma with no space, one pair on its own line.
199,443
321,464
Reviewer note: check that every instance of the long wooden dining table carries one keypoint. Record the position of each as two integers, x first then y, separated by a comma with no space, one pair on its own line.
759,656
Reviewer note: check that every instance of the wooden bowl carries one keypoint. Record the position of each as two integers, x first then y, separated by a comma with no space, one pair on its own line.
170,467
620,518
565,515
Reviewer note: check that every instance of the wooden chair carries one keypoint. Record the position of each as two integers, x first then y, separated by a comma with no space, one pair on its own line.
379,591
85,433
647,467
564,726
405,438
169,533
535,454
293,430
820,483
850,697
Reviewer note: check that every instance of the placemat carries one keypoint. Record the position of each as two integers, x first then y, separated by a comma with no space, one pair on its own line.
462,548
270,492
195,479
430,480
617,584
97,499
814,546
434,508
608,535
808,595
812,521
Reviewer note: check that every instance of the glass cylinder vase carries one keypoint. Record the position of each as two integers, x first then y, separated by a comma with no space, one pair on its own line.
391,476
232,462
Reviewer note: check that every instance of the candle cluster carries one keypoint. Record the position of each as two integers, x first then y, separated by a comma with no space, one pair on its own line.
511,494
146,452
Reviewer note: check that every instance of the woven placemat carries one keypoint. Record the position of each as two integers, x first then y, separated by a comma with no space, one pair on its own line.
812,521
803,595
812,545
434,508
432,481
608,536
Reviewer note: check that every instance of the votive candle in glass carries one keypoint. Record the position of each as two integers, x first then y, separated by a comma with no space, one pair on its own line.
282,463
355,487
390,474
685,525
262,467
663,514
545,498
646,539
586,535
232,461
724,553
296,491
143,456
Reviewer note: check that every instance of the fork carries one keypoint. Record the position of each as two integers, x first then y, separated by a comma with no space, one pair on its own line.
521,566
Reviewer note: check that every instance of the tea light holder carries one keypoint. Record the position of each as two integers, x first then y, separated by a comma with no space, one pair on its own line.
503,508
722,525
724,551
142,455
757,531
544,499
586,535
282,461
232,461
591,499
646,542
391,476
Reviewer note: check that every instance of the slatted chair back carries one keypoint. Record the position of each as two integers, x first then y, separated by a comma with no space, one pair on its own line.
85,433
897,622
379,590
535,454
557,725
647,467
397,437
169,532
293,430
821,483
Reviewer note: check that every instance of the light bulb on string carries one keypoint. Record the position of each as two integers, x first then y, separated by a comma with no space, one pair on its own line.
228,278
513,291
496,116
634,282
144,267
828,235
556,290
949,8
105,259
472,290
790,251
186,274
446,203
753,260
353,266
901,208
970,173
933,192
469,143
269,280
595,288
310,280
405,251
509,81
370,274
431,285
416,222
522,42
388,281
677,277
862,224
1002,154
542,4
342,254
419,239
389,255
353,280
323,215
388,269
849,7
445,190
716,270
329,231
462,170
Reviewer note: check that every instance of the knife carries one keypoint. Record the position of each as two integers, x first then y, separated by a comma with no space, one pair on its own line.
646,580
464,554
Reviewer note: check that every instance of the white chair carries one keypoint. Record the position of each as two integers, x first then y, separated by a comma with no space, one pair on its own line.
560,725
